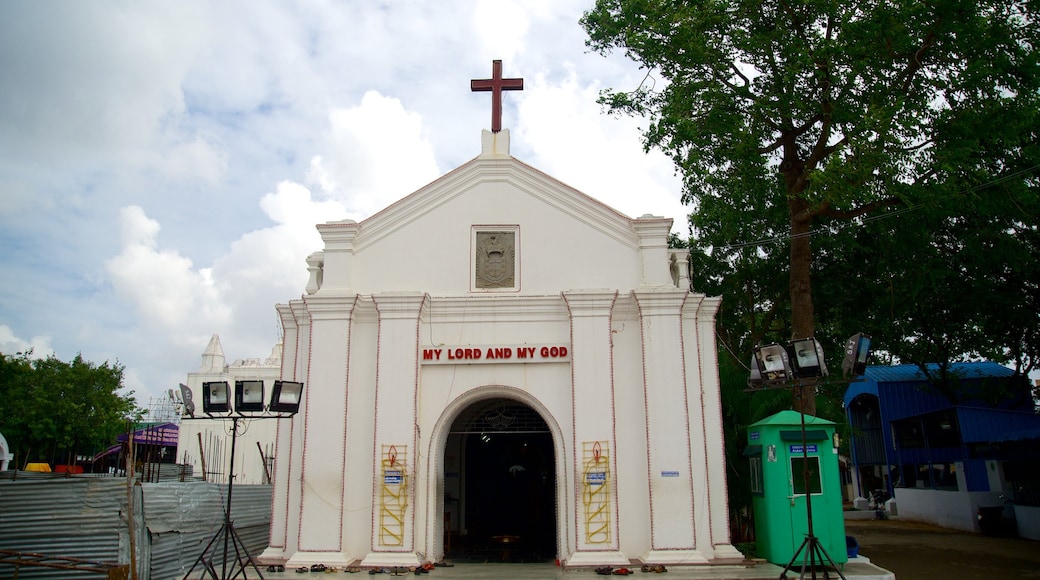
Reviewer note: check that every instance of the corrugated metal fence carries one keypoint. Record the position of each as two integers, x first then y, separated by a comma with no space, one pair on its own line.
85,517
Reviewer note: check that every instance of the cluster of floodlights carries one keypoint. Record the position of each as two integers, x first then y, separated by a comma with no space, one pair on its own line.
249,397
779,364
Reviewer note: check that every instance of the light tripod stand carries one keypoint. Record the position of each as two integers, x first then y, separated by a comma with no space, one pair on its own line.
800,364
811,549
226,535
249,398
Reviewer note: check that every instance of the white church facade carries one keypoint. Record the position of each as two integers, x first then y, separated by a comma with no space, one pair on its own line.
498,359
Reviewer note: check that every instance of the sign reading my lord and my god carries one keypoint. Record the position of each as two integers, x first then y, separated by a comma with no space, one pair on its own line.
475,354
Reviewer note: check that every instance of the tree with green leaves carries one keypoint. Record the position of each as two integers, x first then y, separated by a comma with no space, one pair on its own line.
825,113
50,409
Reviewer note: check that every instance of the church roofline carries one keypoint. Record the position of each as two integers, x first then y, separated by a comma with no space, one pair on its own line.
482,169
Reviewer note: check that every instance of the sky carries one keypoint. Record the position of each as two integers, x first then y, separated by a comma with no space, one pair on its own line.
163,164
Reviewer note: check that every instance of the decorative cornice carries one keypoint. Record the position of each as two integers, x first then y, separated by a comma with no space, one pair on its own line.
663,302
503,308
339,235
330,307
403,305
299,312
582,303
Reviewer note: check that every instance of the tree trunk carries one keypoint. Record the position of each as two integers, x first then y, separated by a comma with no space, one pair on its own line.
800,288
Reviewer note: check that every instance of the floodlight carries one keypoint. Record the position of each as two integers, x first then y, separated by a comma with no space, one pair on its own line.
755,380
286,397
773,363
215,397
189,404
249,396
857,352
807,358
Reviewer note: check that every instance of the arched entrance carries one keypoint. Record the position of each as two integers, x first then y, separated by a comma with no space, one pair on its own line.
500,484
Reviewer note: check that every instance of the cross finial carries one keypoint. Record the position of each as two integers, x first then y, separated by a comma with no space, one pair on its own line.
496,84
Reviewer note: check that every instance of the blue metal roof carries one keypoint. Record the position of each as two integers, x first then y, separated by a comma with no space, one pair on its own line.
988,425
911,373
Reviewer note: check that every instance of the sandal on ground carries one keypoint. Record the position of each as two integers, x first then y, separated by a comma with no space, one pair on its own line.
604,570
621,572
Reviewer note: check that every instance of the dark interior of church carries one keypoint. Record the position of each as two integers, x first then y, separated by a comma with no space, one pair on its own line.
508,486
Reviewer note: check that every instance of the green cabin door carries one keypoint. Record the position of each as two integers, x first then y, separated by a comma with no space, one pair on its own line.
798,519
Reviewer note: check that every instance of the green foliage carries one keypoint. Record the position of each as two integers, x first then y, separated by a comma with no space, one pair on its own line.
51,408
870,163
790,118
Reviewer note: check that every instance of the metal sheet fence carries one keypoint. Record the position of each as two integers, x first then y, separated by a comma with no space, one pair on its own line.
85,517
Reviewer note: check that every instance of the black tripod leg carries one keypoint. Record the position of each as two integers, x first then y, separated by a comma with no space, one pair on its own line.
208,566
240,552
783,573
825,557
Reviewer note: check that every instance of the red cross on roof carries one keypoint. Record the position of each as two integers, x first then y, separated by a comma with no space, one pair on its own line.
496,84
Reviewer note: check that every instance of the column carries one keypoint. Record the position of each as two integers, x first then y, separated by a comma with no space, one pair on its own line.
596,508
325,395
652,232
277,549
337,258
395,442
672,485
704,357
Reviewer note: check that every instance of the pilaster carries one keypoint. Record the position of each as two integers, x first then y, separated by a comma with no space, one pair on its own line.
706,355
652,232
338,256
283,453
325,394
592,392
395,439
672,533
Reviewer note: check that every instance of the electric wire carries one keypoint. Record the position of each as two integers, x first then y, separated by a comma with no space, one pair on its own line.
878,217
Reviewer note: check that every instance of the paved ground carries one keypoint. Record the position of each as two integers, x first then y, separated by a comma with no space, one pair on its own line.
908,550
549,572
915,551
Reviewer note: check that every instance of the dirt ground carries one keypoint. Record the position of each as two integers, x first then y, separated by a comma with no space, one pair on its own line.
916,551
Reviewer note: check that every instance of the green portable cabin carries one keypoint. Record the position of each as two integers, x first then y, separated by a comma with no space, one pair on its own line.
778,487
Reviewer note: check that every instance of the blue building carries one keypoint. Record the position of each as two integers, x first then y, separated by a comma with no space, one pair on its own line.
944,443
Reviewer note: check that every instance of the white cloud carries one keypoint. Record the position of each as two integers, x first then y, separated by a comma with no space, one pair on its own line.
11,344
501,26
195,160
601,156
162,166
163,285
377,155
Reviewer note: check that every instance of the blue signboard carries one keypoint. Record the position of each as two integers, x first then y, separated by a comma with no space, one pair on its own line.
798,449
392,477
669,474
596,478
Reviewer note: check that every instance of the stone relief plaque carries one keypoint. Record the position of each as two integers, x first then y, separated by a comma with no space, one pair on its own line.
495,264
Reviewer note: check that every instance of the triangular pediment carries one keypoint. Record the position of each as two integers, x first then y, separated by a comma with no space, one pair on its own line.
529,185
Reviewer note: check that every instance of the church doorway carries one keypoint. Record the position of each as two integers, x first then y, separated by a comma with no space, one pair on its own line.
500,503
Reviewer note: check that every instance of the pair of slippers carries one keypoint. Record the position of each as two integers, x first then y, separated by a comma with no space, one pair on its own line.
304,569
653,568
608,571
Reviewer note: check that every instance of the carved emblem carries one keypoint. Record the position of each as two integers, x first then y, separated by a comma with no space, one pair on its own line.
495,264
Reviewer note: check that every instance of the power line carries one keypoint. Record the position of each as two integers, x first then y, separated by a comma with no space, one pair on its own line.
872,218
